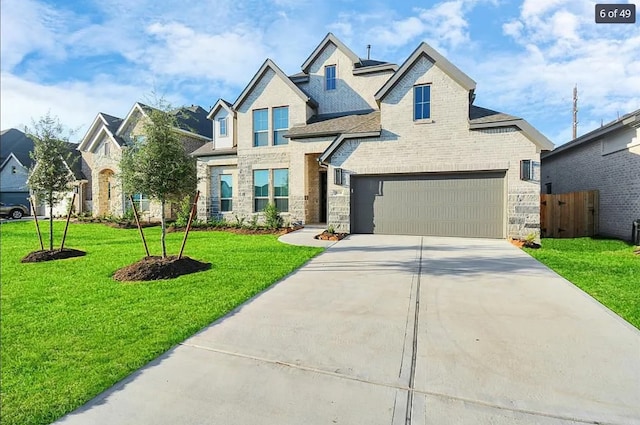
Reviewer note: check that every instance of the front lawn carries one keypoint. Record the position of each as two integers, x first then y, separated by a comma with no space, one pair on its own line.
69,331
606,269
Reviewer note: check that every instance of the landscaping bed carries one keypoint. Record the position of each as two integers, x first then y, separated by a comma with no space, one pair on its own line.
331,236
56,254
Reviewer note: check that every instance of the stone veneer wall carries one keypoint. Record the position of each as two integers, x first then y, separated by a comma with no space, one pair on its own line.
486,151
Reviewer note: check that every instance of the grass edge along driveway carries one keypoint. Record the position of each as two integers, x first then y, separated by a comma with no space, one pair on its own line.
68,331
606,269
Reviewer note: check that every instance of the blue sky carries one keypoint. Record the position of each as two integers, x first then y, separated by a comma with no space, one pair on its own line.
78,58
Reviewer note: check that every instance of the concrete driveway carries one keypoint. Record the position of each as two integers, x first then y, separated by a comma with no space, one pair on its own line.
397,330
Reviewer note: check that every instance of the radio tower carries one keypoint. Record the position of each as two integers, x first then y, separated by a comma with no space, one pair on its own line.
575,112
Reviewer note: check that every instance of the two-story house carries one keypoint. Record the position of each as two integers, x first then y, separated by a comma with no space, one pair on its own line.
370,147
101,150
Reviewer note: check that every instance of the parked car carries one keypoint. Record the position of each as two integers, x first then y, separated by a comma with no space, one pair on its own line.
15,211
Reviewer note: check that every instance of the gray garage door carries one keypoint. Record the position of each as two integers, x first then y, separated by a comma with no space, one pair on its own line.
463,204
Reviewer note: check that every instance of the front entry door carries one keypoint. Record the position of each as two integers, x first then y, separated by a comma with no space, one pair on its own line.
323,197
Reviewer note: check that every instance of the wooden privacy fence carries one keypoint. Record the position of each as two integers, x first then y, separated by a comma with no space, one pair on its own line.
569,215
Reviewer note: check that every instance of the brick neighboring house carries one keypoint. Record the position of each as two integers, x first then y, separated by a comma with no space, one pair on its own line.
101,150
370,147
606,159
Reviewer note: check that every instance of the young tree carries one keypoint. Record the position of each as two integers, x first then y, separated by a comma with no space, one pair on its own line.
50,176
158,165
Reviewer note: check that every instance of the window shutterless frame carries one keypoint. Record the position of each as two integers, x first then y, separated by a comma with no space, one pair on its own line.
280,125
222,127
330,77
422,102
226,192
260,127
260,189
281,189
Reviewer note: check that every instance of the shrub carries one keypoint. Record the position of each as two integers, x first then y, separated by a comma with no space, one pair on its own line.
184,209
272,217
253,224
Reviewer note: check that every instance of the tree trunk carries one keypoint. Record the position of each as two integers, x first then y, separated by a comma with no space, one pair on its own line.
50,222
163,235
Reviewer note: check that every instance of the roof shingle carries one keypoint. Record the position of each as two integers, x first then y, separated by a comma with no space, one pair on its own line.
363,122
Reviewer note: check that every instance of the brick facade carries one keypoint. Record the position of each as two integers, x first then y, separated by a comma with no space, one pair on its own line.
606,165
445,143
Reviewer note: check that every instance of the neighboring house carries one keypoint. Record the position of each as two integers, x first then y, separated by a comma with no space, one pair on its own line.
16,162
101,150
606,159
78,186
370,147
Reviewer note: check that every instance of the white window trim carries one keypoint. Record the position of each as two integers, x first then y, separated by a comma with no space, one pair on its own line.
226,127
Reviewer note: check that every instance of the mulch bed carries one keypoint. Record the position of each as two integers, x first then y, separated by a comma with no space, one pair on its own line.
240,231
326,236
524,244
46,255
155,268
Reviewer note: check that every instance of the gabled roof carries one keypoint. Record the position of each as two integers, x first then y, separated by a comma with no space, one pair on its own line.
483,118
102,123
269,64
16,142
424,50
363,122
6,160
329,39
221,103
360,66
193,119
631,119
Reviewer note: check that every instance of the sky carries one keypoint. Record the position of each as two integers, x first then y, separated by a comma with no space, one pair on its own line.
76,58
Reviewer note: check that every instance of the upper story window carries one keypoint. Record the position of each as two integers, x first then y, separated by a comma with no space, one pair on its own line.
106,148
260,127
422,102
280,125
330,77
222,126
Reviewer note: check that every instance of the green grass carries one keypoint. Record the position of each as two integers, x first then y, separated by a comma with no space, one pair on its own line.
68,331
606,269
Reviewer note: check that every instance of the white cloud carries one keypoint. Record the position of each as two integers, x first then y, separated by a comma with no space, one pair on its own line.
27,26
182,52
75,104
532,9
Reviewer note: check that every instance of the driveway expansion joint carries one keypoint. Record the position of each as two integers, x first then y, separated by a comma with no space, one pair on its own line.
296,366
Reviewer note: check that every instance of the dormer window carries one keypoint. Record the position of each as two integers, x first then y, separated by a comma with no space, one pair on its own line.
422,102
330,77
222,127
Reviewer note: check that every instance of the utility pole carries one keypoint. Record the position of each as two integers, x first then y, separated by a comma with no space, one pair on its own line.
575,112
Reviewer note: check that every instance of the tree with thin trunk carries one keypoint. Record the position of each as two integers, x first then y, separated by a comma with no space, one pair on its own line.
158,165
50,177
